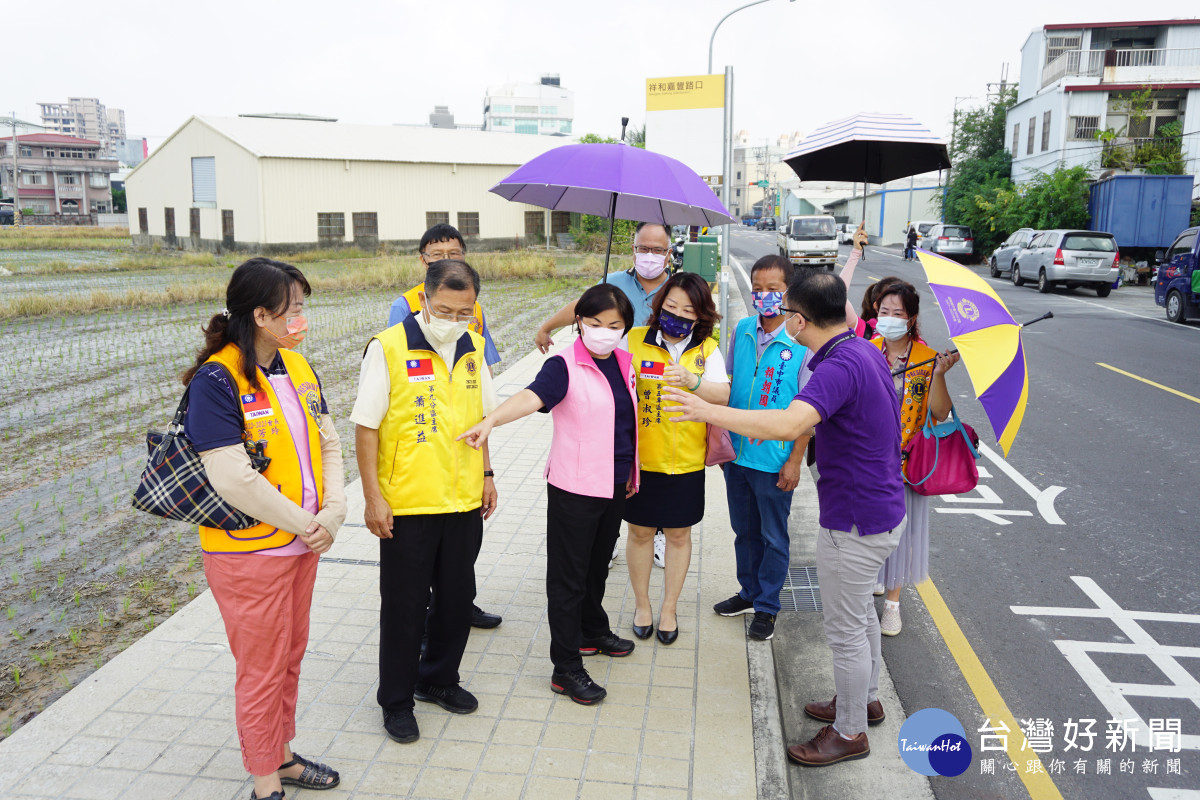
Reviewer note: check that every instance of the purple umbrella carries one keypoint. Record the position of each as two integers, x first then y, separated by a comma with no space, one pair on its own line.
616,181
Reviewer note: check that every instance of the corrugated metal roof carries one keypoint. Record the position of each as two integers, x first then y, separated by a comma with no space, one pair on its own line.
306,139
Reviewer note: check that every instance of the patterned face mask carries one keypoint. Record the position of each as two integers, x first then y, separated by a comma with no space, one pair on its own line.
767,303
674,325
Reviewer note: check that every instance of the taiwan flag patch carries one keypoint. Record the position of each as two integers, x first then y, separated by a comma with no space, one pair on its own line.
652,369
256,405
419,369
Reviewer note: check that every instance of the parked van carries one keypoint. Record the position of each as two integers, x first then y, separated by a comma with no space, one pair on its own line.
1178,285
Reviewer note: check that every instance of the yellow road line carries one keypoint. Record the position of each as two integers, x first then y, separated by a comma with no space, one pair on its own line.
1038,783
1151,383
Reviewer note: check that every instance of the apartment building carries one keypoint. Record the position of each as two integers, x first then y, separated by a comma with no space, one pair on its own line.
86,118
59,174
543,108
1097,94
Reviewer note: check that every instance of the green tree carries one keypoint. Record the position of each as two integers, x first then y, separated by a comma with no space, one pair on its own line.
118,200
981,171
1058,199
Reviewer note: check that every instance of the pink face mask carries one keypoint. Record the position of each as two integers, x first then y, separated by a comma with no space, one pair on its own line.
297,328
600,341
649,265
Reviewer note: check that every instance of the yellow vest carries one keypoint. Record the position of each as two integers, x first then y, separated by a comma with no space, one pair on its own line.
264,420
917,383
665,446
413,298
422,469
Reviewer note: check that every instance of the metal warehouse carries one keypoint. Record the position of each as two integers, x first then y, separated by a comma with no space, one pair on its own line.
265,183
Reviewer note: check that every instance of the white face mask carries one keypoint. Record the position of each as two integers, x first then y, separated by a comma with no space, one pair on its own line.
891,328
600,341
444,331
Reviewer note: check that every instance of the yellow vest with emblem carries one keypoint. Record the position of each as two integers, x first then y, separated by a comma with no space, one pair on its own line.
413,298
263,423
422,469
917,382
670,447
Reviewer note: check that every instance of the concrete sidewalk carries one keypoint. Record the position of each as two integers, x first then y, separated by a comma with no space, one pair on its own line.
681,721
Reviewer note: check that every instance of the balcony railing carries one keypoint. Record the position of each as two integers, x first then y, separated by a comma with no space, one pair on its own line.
1093,62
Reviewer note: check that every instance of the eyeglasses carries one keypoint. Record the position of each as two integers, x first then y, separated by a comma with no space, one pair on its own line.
467,318
453,255
658,251
794,311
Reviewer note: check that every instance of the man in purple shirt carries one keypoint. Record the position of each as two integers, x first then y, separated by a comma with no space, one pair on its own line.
860,490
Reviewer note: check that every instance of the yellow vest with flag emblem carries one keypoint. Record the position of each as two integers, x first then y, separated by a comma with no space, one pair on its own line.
413,298
422,469
263,420
670,447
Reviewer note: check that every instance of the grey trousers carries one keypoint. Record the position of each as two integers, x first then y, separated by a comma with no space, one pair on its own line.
847,568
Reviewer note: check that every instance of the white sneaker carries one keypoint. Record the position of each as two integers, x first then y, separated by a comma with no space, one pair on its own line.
880,590
616,550
889,623
660,550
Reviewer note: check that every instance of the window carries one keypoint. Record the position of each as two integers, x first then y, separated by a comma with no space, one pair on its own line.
68,179
739,176
97,180
73,152
204,182
194,222
1045,131
366,225
1016,139
1084,128
143,221
1090,241
331,226
1057,45
227,225
33,178
737,192
70,206
169,223
48,153
502,122
551,110
1182,247
527,126
1029,136
26,152
560,222
564,126
37,206
3,149
535,225
436,218
468,223
1158,112
526,109
501,109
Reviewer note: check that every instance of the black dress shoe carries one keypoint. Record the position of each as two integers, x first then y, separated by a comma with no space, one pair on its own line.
668,637
482,619
401,725
643,631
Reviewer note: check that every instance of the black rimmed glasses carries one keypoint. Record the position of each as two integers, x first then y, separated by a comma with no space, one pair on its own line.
642,250
794,311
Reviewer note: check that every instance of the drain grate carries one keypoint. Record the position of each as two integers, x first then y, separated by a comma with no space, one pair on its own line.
800,590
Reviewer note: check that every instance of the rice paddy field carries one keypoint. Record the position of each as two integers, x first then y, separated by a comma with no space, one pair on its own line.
93,337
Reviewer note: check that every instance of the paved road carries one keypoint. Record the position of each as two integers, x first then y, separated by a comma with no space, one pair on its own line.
1114,461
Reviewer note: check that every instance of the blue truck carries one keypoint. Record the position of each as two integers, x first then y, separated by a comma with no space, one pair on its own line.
1178,285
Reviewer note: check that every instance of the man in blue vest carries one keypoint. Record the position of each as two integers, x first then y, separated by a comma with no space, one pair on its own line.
766,369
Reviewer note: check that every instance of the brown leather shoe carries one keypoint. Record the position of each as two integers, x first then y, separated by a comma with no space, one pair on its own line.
828,747
827,712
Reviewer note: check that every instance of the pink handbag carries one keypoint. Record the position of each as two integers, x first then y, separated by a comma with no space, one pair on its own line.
718,448
940,459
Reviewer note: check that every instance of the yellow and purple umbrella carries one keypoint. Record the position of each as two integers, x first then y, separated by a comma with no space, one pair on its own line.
989,340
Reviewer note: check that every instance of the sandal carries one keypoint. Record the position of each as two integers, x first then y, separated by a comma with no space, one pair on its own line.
314,776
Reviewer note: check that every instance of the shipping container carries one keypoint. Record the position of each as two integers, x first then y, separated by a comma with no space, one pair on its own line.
1141,210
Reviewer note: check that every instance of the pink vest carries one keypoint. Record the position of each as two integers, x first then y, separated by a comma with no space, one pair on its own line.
581,452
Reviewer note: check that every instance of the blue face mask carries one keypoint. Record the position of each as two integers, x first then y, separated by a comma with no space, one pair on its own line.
767,303
674,325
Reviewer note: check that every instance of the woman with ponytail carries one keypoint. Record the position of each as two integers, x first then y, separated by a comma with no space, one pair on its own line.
248,384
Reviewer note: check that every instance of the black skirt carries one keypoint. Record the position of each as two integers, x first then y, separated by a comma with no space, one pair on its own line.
667,501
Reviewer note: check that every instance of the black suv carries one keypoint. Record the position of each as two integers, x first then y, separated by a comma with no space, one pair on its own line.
765,224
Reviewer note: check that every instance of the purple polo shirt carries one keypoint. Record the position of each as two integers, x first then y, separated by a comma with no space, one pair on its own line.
858,439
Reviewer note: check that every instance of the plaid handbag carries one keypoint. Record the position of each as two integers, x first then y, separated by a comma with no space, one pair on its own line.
174,484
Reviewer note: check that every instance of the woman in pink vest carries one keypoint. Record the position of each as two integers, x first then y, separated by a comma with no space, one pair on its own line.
593,467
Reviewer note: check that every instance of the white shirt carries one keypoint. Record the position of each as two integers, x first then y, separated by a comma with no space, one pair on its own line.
714,365
375,382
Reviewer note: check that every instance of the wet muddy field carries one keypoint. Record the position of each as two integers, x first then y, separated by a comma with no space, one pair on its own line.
82,575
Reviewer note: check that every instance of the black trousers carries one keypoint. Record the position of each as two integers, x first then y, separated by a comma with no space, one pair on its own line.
426,550
580,534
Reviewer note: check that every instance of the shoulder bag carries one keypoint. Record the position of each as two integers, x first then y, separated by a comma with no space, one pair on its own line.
940,459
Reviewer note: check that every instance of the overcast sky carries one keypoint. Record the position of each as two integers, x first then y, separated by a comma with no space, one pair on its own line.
796,64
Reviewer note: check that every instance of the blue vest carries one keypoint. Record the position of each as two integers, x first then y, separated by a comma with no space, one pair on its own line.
767,382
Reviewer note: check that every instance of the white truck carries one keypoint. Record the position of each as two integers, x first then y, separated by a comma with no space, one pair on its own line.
809,240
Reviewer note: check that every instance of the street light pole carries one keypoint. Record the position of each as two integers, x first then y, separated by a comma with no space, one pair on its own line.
727,163
16,175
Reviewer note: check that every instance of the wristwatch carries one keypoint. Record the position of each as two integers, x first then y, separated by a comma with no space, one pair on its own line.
487,473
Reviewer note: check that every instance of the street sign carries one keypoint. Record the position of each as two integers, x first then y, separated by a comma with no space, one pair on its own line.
763,184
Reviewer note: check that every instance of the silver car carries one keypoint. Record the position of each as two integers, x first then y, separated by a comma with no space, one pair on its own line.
954,241
1070,258
1004,256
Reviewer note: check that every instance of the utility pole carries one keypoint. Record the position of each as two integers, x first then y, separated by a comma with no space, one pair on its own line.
16,175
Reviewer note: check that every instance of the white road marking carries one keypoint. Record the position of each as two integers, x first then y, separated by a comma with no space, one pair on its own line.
1043,497
1182,686
1174,794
